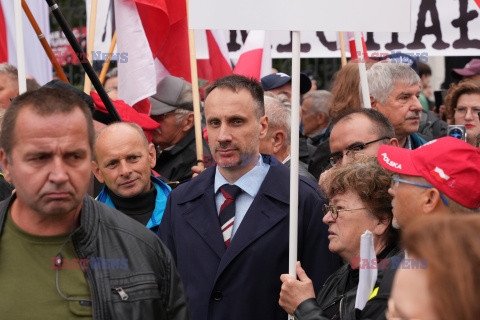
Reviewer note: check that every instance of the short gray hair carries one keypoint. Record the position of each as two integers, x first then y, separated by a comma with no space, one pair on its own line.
321,101
383,76
279,116
180,114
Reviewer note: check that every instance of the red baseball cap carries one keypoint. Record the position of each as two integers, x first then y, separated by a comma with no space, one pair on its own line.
449,164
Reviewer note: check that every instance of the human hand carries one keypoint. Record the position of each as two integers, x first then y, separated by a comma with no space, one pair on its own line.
295,291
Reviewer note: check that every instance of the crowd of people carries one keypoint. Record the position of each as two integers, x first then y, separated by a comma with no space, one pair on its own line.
117,220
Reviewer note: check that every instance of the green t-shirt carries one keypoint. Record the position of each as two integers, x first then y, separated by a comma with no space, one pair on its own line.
27,277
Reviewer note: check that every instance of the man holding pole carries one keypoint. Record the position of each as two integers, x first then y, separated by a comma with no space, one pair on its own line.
228,228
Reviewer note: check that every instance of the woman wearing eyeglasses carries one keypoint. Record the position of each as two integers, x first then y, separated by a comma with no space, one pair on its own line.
359,201
463,106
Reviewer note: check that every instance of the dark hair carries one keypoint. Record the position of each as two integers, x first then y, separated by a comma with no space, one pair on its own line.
235,82
44,102
424,69
370,181
381,126
450,244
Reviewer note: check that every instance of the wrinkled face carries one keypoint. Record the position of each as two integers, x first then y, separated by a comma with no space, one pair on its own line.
50,162
311,122
233,129
406,200
349,133
403,109
466,113
169,132
8,90
124,161
346,230
410,298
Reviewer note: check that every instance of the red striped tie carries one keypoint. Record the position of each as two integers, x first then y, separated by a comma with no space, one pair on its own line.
227,210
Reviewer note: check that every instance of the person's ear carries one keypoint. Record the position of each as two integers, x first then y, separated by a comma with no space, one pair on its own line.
278,137
188,121
5,165
96,171
263,123
431,201
382,226
373,102
393,142
152,153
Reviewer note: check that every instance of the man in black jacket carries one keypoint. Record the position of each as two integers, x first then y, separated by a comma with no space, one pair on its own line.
65,254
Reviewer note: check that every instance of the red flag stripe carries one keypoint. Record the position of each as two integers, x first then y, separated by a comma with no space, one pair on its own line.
3,38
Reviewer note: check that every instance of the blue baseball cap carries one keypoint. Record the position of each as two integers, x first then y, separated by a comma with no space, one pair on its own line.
276,80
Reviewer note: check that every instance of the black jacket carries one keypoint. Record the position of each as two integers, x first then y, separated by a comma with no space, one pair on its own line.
175,164
333,293
149,288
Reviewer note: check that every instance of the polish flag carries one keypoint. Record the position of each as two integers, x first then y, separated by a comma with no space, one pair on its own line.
256,59
153,34
217,64
37,63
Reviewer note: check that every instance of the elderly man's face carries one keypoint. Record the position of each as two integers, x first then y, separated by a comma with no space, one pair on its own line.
403,109
49,163
311,121
8,89
123,161
406,201
170,131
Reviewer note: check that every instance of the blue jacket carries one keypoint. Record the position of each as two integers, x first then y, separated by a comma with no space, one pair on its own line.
162,193
417,141
242,282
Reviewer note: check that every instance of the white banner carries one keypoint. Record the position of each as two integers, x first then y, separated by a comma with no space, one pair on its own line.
103,29
438,28
301,15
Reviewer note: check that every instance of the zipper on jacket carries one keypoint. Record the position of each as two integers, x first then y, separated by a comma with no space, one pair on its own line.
122,292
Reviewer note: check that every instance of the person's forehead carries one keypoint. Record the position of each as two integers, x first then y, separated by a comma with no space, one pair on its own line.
119,136
219,98
6,80
348,131
401,86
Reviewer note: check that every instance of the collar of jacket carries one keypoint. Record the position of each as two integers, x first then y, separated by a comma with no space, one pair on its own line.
160,202
197,186
84,236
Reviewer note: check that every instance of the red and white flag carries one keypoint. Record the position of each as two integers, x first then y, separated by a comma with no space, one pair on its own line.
350,46
217,64
256,59
37,63
153,34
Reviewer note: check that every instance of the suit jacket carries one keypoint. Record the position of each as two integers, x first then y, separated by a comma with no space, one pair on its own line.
243,280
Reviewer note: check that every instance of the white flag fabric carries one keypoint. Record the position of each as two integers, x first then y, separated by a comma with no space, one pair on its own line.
368,275
37,63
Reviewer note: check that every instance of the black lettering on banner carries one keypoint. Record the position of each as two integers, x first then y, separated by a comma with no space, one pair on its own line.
330,45
304,47
395,44
233,45
465,17
371,44
439,44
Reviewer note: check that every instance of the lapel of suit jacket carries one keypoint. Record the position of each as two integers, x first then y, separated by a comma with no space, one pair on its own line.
202,212
263,213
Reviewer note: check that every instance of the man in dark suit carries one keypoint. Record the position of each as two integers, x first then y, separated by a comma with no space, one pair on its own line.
233,272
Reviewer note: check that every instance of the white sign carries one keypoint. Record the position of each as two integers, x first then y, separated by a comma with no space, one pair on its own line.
438,28
301,15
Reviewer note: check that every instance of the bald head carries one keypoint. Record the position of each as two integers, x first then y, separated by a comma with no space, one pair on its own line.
124,159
